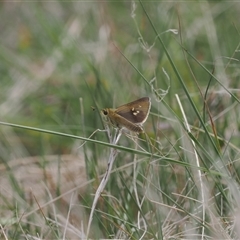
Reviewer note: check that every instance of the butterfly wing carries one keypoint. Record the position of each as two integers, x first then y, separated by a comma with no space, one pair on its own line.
123,122
136,111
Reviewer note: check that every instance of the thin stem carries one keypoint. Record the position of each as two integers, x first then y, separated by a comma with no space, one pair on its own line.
112,157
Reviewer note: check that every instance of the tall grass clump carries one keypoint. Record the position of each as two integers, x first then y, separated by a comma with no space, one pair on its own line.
64,174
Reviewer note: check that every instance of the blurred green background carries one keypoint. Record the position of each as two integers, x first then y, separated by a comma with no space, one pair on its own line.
55,53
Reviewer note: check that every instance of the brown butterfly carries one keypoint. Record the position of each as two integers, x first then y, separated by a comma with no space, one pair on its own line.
131,115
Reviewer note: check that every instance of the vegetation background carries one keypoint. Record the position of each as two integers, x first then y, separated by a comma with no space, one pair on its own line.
62,59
